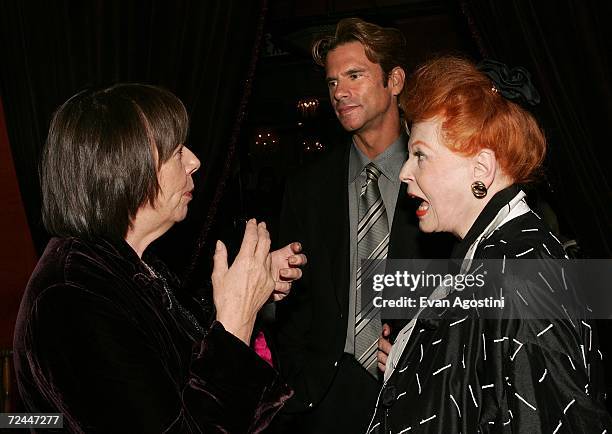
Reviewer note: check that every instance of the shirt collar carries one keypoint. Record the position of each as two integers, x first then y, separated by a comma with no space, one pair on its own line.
500,199
389,162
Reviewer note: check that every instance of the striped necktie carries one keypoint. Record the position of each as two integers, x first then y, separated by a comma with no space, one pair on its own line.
372,243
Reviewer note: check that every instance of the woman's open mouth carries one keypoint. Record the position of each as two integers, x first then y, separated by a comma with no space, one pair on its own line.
423,207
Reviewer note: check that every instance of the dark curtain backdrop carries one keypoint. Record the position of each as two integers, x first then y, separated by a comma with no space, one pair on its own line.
204,51
567,46
17,258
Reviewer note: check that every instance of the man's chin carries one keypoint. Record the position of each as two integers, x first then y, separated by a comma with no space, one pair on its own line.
350,127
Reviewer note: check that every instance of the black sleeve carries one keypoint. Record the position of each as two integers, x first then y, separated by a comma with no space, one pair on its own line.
549,359
94,364
294,314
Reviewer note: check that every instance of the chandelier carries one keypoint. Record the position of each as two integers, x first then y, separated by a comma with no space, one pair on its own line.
307,106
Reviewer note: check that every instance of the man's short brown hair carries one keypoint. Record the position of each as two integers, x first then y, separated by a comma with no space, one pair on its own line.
383,45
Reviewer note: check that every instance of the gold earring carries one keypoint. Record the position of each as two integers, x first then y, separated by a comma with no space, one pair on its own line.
479,190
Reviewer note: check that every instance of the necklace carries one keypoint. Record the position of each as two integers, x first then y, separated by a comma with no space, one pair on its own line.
172,299
164,283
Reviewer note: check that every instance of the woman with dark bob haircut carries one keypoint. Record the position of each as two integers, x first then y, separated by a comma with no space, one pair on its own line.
104,334
530,363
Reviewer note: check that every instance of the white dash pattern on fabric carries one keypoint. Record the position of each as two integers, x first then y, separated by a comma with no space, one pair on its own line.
525,401
457,322
456,405
545,330
571,362
568,316
427,420
590,334
442,369
543,375
518,255
519,294
484,347
373,428
517,350
473,397
545,281
568,406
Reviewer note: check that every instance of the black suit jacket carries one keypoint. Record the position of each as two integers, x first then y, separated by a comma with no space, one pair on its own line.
312,320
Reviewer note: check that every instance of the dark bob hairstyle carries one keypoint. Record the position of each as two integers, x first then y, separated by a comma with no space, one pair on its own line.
102,155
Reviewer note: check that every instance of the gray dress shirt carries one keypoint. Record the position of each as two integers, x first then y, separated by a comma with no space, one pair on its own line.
389,163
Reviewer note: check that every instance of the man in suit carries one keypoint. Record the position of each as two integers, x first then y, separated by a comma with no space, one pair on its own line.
321,325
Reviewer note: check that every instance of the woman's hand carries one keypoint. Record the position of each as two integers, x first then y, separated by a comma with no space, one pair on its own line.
240,291
286,263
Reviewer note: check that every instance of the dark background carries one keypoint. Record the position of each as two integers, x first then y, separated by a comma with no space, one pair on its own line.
241,68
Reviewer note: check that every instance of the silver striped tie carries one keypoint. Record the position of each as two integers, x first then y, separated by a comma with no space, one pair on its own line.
372,243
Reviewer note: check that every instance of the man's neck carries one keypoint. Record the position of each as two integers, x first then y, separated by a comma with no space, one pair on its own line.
374,140
374,143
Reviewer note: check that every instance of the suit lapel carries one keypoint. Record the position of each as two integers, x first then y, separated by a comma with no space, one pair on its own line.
335,225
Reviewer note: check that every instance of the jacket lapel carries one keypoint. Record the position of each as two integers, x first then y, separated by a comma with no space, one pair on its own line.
335,225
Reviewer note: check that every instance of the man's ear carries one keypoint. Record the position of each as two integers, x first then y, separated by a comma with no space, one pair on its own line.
485,166
396,80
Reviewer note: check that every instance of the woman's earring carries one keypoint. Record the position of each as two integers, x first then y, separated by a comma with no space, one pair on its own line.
479,190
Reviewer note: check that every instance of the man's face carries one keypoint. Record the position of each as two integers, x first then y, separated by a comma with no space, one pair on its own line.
356,89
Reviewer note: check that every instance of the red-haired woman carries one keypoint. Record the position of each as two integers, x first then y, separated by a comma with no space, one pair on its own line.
470,148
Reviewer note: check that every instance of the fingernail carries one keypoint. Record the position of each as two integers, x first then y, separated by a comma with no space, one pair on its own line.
218,245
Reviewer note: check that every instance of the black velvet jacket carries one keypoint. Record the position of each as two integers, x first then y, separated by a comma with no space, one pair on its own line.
103,341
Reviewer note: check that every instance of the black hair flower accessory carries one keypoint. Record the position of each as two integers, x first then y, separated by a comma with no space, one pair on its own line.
512,83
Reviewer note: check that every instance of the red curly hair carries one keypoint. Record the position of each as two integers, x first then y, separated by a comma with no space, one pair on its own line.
475,115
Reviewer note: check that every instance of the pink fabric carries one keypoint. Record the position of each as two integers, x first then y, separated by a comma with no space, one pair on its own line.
261,348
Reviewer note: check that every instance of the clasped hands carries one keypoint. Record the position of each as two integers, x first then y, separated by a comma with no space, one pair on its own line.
255,276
